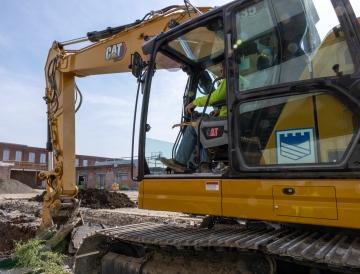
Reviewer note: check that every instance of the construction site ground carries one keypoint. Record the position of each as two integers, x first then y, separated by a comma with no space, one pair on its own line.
20,217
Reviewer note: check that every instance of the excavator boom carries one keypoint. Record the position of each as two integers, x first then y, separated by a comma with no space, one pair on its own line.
110,53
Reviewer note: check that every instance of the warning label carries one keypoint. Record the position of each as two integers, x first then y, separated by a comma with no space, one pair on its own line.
212,186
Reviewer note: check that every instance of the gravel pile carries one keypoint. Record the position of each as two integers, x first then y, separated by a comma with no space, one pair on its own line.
14,187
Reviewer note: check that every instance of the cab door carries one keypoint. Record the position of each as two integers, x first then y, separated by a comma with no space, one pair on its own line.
180,58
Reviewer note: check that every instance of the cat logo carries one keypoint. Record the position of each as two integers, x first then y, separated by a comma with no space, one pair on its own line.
115,52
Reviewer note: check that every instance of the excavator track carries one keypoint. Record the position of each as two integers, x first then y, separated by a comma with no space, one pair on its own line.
326,250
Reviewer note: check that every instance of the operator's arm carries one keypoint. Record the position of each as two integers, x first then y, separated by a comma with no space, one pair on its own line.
218,95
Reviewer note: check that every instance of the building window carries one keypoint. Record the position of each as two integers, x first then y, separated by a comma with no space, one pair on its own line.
18,156
100,178
76,162
31,157
42,158
85,162
121,177
82,181
6,155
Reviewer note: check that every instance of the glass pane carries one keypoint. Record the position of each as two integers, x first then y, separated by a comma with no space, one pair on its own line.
300,129
356,7
201,43
165,108
42,158
18,156
6,155
282,41
100,178
210,79
31,157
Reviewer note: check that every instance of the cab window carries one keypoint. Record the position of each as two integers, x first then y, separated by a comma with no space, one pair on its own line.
282,41
315,128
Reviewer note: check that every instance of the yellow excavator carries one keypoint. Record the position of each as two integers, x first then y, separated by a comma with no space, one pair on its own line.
110,52
283,191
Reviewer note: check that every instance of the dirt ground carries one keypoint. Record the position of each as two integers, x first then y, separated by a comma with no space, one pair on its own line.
19,221
20,215
20,218
95,198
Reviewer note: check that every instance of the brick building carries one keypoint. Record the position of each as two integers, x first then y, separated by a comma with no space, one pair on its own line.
24,163
103,175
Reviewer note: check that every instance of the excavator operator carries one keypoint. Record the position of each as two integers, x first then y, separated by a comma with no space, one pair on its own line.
189,140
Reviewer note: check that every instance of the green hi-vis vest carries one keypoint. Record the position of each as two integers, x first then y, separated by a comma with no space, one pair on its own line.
219,94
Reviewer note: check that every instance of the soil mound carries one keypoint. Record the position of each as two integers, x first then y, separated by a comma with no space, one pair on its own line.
95,198
14,187
38,198
10,233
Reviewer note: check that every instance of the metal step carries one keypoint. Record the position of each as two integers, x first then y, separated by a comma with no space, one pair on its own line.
329,249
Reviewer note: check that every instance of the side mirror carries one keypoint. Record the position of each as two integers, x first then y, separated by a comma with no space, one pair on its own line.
137,64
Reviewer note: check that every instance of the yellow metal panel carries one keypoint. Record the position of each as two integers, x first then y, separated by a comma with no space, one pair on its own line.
66,129
333,50
140,194
253,199
306,201
335,123
183,195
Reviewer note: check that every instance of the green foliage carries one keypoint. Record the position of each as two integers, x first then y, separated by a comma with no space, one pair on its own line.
124,187
33,254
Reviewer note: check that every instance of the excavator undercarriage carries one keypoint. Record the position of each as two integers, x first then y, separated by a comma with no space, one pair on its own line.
163,248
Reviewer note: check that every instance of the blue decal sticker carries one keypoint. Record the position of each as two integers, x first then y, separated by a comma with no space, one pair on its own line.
295,146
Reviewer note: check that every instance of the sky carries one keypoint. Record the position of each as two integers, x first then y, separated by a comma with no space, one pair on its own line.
27,29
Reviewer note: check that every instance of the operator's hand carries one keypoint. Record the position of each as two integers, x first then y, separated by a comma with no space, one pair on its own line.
189,108
215,113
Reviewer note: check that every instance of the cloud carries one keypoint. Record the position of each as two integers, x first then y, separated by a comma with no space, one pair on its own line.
23,112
